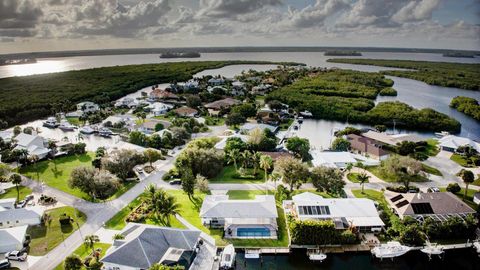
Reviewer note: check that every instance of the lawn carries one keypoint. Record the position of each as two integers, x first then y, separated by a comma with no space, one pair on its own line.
12,192
375,170
285,126
462,161
83,252
55,173
353,177
214,121
469,198
74,121
431,149
229,175
431,170
45,238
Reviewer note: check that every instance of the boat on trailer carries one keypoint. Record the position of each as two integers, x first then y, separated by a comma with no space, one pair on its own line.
227,258
391,249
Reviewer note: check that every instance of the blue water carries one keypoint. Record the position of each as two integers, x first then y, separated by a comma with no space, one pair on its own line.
253,232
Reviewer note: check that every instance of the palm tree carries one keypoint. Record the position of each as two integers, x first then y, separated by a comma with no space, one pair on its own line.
246,155
16,179
20,154
34,159
90,241
363,178
256,160
468,177
169,207
232,156
52,145
266,163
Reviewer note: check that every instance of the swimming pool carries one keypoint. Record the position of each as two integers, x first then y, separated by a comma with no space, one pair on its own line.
253,232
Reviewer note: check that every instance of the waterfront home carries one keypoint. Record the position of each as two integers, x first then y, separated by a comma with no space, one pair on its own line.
12,238
210,89
6,135
126,102
261,89
160,94
185,111
159,108
216,81
339,160
241,218
238,88
145,245
215,107
13,217
367,146
437,205
384,138
87,107
345,213
247,127
34,144
190,85
148,126
118,119
223,142
451,143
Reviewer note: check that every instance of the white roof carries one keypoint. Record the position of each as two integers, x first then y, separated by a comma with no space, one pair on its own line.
358,211
24,139
19,214
331,159
452,141
219,206
391,139
251,126
223,142
6,135
14,235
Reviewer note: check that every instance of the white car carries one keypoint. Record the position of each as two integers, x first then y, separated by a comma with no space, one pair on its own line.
16,256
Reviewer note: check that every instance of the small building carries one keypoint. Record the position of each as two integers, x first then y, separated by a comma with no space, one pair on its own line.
367,146
241,218
185,111
159,108
127,119
145,245
6,204
437,205
476,198
12,238
248,127
360,213
451,143
339,160
34,144
87,107
20,216
215,107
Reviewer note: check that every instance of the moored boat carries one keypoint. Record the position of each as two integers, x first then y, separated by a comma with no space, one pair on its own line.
316,255
391,249
228,257
105,132
87,130
442,134
66,126
51,122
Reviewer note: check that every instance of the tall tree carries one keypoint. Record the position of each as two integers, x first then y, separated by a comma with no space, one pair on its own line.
34,159
233,156
328,179
52,145
468,177
5,171
73,262
188,182
292,170
266,164
152,155
363,178
90,241
299,146
16,179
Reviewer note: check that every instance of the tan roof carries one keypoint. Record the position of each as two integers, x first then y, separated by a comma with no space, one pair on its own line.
223,103
391,139
185,111
163,94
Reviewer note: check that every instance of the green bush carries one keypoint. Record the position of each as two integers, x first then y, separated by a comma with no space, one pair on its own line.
453,187
319,232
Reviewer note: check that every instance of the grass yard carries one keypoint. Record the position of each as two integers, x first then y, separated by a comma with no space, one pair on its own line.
74,121
285,126
468,199
12,192
390,178
214,121
462,161
431,170
229,175
55,173
353,177
83,252
45,238
431,149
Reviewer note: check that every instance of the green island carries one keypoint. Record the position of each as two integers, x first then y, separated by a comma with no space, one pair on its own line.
342,53
347,95
466,105
464,76
27,98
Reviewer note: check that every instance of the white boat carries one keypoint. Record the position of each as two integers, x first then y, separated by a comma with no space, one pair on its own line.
476,246
306,114
300,119
66,126
228,257
390,250
51,122
317,256
442,134
105,132
87,130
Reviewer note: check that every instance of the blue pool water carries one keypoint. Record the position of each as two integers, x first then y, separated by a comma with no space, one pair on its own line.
253,232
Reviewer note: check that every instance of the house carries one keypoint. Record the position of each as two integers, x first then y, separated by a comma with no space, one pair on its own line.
6,135
223,142
145,245
159,108
248,127
261,89
185,111
148,127
127,102
450,143
476,198
215,107
339,160
219,88
190,85
87,107
127,119
360,213
437,205
367,146
12,238
20,216
382,137
216,81
159,94
241,218
276,155
6,204
35,145
238,88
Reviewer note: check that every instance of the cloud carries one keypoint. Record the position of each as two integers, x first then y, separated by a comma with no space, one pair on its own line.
416,11
18,14
315,15
233,8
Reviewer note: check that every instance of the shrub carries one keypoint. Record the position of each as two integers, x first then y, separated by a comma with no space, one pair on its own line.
65,219
453,187
319,232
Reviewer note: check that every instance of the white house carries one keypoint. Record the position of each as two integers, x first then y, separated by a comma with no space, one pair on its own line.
223,142
20,216
247,127
216,81
126,102
338,160
6,204
241,218
450,143
210,89
344,212
145,245
12,238
159,108
261,89
35,145
6,135
87,107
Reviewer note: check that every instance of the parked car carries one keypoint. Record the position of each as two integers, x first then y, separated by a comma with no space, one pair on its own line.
433,189
175,182
4,264
29,197
16,256
21,204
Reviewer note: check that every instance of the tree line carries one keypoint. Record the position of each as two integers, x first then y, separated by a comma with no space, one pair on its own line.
466,105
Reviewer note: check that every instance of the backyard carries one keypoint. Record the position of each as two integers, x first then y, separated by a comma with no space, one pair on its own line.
84,251
376,170
55,173
230,175
46,237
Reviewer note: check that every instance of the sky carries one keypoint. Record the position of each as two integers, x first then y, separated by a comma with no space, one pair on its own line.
51,25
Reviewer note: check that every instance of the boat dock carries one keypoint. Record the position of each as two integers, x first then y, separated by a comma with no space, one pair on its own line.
279,250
